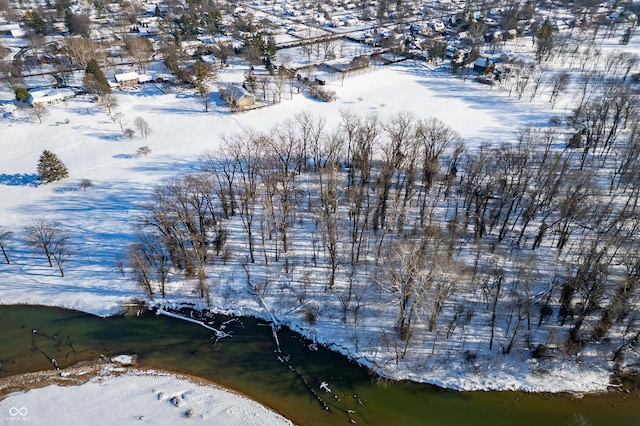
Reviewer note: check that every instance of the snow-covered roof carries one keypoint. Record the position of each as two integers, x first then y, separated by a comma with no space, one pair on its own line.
18,33
48,95
127,76
7,28
236,92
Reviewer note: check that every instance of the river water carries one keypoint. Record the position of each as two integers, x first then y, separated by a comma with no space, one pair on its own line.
34,338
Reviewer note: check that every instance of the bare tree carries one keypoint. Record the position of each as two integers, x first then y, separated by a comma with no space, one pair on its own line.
80,50
85,183
434,138
203,74
51,239
263,85
399,131
149,260
246,151
108,102
183,213
223,170
326,155
407,278
142,126
5,236
143,150
140,49
118,117
537,77
522,77
559,83
360,136
39,112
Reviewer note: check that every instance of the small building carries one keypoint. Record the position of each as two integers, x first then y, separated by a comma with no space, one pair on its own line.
18,33
163,78
127,79
238,97
456,55
483,66
7,27
48,96
145,78
511,34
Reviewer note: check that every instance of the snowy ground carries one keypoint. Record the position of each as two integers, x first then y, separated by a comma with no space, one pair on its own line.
112,394
98,219
93,147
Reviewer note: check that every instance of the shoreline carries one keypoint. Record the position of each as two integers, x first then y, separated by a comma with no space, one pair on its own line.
104,369
175,312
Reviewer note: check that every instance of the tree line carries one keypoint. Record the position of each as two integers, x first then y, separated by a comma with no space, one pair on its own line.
513,239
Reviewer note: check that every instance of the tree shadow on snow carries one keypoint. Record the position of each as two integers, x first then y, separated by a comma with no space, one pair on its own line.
517,112
116,136
20,179
125,156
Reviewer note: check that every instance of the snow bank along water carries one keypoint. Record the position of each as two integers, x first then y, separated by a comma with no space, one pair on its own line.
116,395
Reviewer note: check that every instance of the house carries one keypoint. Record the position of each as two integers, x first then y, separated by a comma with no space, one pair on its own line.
48,96
483,66
127,79
437,26
511,34
7,27
161,78
18,33
238,97
145,78
456,55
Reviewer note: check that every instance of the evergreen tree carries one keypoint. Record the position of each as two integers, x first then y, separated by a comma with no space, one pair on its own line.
34,20
270,50
22,94
51,168
98,78
545,40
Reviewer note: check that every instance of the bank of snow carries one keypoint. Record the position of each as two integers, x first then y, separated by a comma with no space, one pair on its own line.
141,396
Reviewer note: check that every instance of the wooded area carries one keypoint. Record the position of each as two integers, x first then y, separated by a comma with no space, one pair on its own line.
514,239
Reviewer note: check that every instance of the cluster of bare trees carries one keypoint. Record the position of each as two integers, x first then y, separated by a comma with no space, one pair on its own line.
270,87
44,237
533,230
178,230
595,75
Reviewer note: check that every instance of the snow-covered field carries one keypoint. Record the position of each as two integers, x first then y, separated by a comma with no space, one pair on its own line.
93,147
99,218
111,394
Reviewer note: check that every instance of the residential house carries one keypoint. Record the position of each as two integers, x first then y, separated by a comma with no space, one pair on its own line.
127,79
483,66
238,97
48,96
6,28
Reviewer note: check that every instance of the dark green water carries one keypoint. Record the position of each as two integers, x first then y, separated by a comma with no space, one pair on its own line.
248,363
